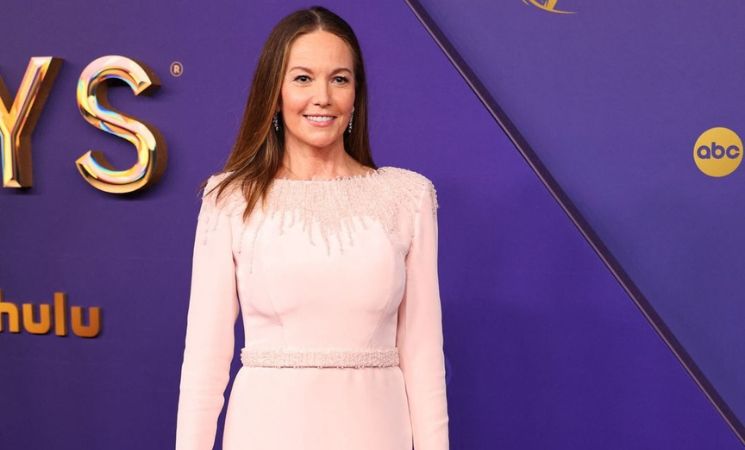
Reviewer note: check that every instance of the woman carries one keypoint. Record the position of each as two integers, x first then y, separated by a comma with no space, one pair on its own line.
331,261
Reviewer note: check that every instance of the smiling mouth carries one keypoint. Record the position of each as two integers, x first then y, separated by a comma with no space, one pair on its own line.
319,118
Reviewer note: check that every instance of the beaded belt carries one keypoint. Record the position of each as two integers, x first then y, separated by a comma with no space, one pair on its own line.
285,357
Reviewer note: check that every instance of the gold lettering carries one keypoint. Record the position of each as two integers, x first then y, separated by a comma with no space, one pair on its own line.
18,120
45,320
60,326
11,310
94,322
93,104
43,324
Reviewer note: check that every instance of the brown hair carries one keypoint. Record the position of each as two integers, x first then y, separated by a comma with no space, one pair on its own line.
258,151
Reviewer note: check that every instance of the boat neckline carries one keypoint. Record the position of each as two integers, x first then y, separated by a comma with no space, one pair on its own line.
341,178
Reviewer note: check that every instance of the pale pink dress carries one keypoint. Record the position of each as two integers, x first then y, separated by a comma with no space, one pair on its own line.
347,263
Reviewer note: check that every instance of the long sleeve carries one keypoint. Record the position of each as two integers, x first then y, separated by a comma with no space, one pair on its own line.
209,343
419,332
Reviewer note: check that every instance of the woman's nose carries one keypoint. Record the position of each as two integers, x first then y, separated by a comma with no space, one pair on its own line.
321,94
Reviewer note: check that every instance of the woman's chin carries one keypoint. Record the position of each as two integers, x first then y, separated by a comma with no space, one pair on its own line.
320,141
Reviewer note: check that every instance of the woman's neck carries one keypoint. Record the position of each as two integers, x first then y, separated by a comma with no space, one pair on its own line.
314,166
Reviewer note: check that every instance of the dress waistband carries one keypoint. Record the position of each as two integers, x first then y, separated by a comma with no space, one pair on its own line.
299,357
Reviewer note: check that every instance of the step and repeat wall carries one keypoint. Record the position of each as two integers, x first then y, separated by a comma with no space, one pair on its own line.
586,158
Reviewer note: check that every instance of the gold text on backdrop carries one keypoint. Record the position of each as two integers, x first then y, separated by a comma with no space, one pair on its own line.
43,323
17,121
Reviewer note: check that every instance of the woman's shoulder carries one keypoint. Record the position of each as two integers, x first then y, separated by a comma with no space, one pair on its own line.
215,178
228,200
414,185
397,174
406,175
407,188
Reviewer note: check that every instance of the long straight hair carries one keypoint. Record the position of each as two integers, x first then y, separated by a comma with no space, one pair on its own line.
258,151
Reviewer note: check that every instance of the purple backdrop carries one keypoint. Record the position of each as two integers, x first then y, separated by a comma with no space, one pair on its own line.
543,347
607,104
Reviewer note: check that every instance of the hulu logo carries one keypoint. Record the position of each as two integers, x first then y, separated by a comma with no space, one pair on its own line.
41,322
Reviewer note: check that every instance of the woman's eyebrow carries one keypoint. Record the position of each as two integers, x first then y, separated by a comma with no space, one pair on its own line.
338,69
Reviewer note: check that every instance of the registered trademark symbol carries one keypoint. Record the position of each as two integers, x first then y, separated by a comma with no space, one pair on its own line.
177,68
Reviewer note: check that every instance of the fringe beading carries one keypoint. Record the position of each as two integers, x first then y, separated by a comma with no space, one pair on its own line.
337,206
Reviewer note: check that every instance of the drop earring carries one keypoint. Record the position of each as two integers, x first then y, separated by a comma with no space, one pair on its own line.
276,121
351,117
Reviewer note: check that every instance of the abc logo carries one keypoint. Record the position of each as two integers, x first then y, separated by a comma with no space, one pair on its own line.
718,152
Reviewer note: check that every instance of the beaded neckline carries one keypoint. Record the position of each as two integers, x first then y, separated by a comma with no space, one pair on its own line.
341,178
331,208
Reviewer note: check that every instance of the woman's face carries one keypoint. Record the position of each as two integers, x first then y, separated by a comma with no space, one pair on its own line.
317,91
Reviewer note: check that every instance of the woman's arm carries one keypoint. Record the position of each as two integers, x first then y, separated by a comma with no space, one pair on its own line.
209,343
419,335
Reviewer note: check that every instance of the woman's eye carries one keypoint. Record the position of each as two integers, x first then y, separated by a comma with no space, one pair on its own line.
338,79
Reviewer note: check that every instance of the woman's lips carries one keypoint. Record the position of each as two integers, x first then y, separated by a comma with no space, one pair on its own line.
320,124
